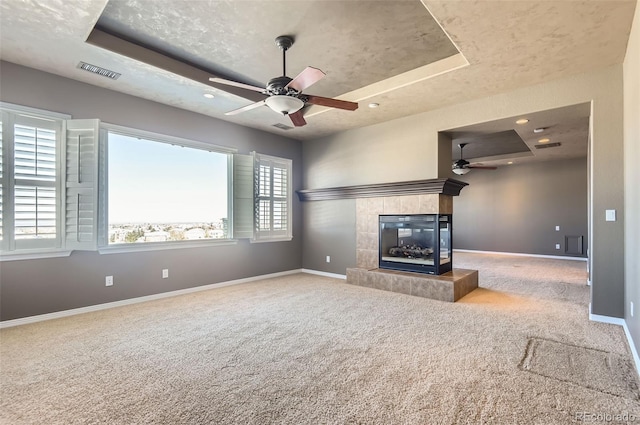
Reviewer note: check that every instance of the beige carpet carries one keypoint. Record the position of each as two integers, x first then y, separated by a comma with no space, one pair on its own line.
304,349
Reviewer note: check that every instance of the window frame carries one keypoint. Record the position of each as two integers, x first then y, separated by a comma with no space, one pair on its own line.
104,247
30,248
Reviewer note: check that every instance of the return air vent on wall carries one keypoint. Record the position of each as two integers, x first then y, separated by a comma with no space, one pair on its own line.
100,71
548,145
282,126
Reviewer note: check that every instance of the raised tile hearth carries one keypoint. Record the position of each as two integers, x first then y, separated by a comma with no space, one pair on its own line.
450,286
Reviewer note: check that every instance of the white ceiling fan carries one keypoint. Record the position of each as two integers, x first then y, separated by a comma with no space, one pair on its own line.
284,95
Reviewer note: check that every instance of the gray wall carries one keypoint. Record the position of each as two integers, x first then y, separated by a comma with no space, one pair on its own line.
32,287
370,155
632,178
516,208
331,231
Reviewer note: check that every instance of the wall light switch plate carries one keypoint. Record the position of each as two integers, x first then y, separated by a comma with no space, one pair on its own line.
610,215
328,259
557,246
165,273
557,228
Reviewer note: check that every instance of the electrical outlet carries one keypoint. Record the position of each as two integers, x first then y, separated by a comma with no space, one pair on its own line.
328,259
557,228
108,281
557,246
165,273
631,308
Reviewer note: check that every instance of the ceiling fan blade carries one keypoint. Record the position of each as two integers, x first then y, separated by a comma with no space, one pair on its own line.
306,78
245,108
236,84
297,119
482,167
332,103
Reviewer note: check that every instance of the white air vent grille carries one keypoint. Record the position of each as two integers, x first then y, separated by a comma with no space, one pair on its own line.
547,145
282,126
100,71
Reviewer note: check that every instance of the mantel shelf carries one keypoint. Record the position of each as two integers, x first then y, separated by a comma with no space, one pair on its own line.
417,187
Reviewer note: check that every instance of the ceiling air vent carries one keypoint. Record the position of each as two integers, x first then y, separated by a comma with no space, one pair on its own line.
100,71
282,126
547,145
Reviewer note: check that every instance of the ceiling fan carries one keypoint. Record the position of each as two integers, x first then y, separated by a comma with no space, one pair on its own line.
284,95
463,166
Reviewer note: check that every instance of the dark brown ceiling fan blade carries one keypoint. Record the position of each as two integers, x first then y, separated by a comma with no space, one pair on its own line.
306,78
246,108
482,167
297,119
332,103
236,84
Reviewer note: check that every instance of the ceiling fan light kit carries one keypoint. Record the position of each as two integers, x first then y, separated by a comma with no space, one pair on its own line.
460,171
284,95
284,104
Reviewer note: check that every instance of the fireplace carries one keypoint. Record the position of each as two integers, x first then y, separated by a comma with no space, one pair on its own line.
415,243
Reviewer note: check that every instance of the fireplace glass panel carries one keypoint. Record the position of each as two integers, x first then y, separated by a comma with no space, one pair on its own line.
418,243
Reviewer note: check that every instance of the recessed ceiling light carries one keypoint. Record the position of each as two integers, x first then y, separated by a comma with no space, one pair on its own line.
208,95
374,105
545,140
510,162
539,130
522,121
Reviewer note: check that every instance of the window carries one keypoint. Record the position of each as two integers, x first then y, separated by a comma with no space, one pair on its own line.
272,198
161,189
30,182
63,188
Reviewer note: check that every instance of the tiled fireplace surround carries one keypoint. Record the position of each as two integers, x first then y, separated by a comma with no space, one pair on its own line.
450,286
433,196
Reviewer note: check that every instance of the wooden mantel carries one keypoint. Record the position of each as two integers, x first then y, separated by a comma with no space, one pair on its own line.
417,187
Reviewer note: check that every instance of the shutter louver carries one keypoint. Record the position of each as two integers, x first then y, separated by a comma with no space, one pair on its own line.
81,220
242,196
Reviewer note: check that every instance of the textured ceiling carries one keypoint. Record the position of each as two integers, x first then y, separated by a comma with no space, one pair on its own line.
354,42
502,141
396,53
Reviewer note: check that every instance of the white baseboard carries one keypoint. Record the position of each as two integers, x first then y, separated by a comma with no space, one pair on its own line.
325,274
518,254
98,307
636,358
606,319
621,322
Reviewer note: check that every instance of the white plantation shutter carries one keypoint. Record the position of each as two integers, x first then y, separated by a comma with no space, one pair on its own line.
242,196
272,198
81,171
103,194
35,160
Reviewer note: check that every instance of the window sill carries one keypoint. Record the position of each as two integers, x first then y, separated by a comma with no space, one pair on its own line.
161,246
32,255
284,239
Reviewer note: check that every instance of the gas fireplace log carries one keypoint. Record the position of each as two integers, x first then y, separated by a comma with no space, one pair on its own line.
412,251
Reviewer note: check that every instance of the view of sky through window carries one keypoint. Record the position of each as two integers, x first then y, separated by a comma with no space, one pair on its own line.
167,185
